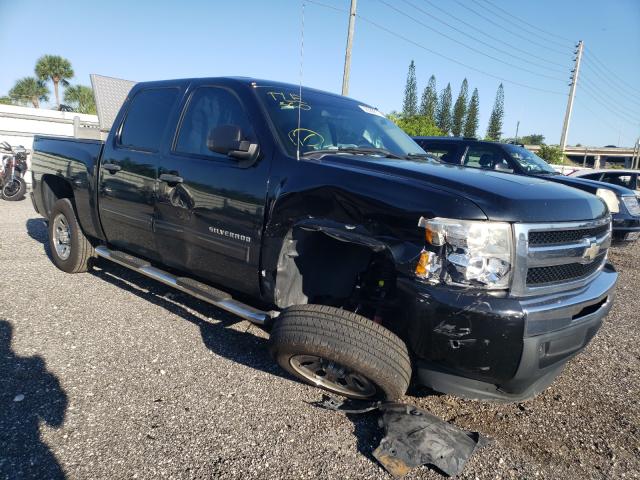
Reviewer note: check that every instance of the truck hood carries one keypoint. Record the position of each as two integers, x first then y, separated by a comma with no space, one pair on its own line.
501,196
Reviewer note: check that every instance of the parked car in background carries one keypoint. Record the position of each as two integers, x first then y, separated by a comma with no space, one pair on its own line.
625,178
510,158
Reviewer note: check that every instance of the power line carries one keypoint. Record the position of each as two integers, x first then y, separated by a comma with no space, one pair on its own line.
513,47
516,34
595,95
473,49
530,24
625,108
438,54
607,81
609,74
462,32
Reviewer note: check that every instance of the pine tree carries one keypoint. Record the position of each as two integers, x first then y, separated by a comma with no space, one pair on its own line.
460,109
494,129
429,102
410,103
443,114
471,120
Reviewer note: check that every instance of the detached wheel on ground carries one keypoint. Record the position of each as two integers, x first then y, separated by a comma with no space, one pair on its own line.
14,190
70,249
341,351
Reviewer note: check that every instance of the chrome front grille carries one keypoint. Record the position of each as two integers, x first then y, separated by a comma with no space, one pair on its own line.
558,256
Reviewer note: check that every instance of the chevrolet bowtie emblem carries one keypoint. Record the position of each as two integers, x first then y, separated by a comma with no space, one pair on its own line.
591,252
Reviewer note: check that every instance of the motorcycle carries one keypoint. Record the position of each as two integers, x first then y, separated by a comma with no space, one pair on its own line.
14,165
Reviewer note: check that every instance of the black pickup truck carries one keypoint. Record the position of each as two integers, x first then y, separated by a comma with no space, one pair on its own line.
505,157
312,214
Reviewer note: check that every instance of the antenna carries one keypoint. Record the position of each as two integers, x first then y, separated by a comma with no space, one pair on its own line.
300,83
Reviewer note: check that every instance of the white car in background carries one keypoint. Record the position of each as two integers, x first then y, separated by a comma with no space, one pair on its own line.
622,177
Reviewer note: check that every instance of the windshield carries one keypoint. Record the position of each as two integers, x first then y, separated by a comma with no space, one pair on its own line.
529,161
331,123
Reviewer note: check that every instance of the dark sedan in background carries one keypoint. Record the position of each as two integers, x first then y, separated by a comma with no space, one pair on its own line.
510,158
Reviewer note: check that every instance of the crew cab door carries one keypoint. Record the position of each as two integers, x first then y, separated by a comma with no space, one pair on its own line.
129,168
210,207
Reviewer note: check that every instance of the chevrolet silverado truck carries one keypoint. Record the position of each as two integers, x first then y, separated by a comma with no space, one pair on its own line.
371,264
506,157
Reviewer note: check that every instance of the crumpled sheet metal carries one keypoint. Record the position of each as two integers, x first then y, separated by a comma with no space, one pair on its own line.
414,437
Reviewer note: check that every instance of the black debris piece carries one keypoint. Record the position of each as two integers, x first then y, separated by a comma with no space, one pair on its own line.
413,437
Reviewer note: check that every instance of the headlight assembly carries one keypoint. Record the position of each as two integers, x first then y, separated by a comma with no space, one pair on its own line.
632,203
610,198
465,252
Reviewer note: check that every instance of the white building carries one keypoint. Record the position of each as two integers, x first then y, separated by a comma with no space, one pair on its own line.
18,125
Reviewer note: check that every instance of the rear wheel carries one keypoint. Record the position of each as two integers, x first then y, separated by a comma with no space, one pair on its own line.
14,189
341,351
70,249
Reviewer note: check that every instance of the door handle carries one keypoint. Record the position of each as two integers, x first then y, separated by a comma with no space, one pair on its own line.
112,167
170,179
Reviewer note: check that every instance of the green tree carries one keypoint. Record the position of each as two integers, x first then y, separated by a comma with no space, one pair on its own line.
56,69
416,125
29,89
443,114
80,98
460,109
410,103
551,154
6,100
494,129
471,121
533,139
429,102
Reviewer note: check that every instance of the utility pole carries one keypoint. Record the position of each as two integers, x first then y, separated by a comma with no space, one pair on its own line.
347,55
572,93
517,128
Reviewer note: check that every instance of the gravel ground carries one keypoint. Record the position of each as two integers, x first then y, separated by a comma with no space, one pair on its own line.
109,375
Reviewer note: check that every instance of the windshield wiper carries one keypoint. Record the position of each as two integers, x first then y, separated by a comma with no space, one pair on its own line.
422,155
356,150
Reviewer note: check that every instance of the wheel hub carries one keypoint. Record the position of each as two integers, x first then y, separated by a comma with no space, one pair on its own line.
62,236
333,376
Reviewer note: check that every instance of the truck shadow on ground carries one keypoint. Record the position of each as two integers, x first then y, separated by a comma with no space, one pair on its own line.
242,346
29,394
246,345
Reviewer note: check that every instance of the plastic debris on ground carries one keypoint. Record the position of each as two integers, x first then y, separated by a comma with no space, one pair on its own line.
413,437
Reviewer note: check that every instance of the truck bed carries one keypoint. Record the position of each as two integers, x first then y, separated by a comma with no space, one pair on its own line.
71,159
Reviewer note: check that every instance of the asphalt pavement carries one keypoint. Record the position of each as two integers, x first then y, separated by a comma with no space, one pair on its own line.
109,375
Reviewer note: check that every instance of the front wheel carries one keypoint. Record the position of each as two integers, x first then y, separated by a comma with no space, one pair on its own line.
341,352
14,190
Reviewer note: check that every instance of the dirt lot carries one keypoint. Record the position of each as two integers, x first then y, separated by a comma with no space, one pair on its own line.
109,375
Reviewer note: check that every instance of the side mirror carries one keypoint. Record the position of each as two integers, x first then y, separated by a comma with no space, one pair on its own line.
227,140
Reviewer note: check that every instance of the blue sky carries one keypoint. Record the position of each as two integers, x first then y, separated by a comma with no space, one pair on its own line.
144,40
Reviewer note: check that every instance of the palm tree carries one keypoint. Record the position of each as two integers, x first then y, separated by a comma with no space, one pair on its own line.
81,98
29,89
56,69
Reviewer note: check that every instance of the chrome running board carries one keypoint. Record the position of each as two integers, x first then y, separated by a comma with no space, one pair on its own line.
188,285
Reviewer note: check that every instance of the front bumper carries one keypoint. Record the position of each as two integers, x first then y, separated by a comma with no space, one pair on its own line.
626,228
483,346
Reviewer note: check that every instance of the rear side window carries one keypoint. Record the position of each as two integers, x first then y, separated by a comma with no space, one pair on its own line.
485,157
147,118
210,107
445,152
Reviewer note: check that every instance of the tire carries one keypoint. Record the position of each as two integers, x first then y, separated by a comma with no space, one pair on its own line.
317,344
13,193
72,251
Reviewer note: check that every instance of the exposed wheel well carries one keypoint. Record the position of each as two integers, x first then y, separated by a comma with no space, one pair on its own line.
319,269
53,189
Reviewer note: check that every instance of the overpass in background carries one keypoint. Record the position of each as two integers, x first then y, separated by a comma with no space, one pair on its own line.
587,156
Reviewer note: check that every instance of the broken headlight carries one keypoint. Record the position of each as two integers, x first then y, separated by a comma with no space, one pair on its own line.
466,252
